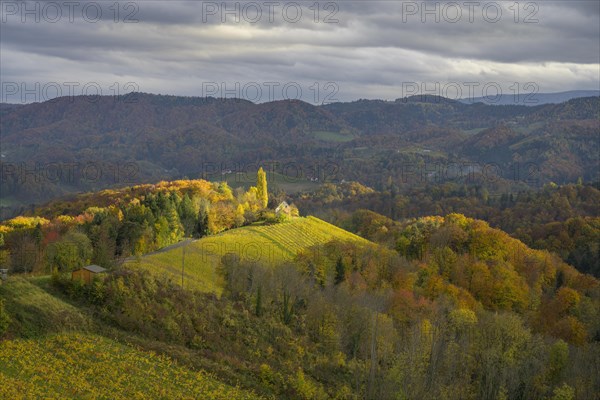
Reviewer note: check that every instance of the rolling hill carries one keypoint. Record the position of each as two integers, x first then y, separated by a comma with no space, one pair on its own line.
72,144
288,335
58,350
79,354
265,244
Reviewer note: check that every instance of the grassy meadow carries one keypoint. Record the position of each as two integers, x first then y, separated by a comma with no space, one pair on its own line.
36,311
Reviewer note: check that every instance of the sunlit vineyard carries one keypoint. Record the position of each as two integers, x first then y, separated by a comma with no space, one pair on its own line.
90,366
266,244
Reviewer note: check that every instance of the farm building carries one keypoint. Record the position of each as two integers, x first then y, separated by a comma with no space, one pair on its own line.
86,274
286,209
283,207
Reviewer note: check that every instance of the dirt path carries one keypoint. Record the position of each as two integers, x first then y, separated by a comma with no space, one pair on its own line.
167,248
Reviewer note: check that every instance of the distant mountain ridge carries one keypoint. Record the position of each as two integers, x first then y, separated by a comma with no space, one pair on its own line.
532,99
116,141
526,98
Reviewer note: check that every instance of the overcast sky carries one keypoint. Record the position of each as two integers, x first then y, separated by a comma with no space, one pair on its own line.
268,50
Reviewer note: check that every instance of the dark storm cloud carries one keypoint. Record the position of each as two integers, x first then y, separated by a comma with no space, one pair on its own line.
372,49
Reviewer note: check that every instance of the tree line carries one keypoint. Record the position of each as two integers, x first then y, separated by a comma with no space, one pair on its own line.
104,227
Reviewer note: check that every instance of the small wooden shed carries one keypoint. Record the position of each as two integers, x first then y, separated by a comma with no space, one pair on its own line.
86,274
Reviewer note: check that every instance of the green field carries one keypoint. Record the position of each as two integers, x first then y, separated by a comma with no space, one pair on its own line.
529,128
267,244
8,201
294,181
85,366
420,151
471,132
336,137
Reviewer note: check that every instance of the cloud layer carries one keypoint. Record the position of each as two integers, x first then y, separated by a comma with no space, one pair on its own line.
319,51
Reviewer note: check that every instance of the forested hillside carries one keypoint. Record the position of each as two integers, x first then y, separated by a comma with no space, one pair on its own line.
441,306
457,309
561,219
81,143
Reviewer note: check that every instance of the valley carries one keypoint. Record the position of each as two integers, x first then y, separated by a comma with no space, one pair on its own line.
338,200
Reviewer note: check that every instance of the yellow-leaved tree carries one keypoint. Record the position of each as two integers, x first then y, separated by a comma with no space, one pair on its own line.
261,187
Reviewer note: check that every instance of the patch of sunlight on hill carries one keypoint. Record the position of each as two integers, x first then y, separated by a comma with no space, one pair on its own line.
76,365
267,244
35,311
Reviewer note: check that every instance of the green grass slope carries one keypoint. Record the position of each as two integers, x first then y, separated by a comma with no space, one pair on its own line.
75,365
35,311
53,350
267,244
